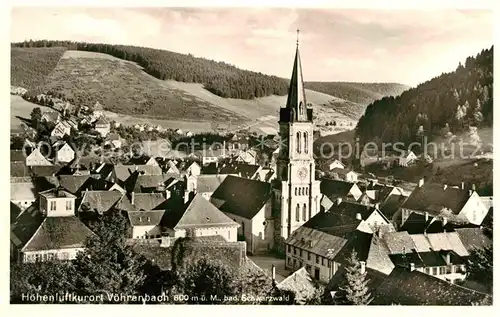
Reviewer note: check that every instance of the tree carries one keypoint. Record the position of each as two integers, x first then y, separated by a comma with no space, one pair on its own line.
480,266
208,282
36,117
356,291
16,142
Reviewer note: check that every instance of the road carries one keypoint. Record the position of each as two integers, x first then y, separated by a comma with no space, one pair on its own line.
266,262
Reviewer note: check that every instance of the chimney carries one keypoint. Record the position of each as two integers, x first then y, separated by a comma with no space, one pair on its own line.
363,267
412,267
445,186
421,182
426,216
462,185
473,187
358,216
132,198
448,259
377,206
339,200
470,192
445,221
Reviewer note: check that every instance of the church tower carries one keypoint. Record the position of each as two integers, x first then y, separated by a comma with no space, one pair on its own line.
296,191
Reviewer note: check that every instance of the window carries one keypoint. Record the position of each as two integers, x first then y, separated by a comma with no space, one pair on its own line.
297,213
309,256
442,271
323,261
300,252
317,259
52,205
427,270
68,204
298,142
306,143
307,190
329,263
296,191
304,212
295,250
290,261
229,234
434,271
289,249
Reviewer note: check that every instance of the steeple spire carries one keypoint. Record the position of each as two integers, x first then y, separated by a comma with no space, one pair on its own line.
296,102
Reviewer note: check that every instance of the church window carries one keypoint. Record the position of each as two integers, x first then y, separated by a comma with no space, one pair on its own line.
297,213
296,191
298,143
301,108
307,191
304,212
306,143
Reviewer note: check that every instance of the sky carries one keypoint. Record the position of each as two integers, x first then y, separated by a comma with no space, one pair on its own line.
403,46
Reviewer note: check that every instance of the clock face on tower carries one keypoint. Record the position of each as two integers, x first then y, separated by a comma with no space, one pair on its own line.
302,173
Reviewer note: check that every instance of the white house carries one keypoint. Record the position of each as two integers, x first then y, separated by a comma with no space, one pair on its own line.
146,224
61,129
336,164
247,156
249,203
64,153
102,126
36,158
193,169
114,140
49,231
204,184
344,174
407,158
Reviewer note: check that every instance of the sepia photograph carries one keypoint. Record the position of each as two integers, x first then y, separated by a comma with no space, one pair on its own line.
251,156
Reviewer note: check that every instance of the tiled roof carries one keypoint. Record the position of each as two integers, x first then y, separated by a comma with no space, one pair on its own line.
124,171
23,191
439,241
246,170
398,242
339,281
19,169
73,183
50,170
100,200
242,197
378,256
345,212
473,238
335,188
145,218
142,201
17,156
391,205
25,226
404,287
209,183
59,233
38,155
201,213
301,284
15,211
433,198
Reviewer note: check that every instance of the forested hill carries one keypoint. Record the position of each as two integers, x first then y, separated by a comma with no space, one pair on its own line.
452,101
361,93
219,78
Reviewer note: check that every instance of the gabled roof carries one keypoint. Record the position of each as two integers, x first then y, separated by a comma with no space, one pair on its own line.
59,233
474,238
25,226
209,183
391,205
142,201
300,283
56,193
433,198
73,183
100,200
23,191
342,171
36,154
242,197
49,170
405,287
124,171
346,212
145,218
200,213
378,256
336,188
171,168
246,170
102,121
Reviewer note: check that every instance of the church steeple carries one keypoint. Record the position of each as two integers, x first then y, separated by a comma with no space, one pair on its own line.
296,106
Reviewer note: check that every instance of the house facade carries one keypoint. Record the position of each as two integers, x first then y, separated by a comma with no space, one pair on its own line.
65,154
36,158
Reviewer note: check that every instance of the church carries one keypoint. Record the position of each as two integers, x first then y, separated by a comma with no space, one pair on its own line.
268,213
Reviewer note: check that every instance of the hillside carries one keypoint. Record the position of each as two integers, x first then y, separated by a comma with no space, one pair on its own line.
359,94
445,105
30,66
220,78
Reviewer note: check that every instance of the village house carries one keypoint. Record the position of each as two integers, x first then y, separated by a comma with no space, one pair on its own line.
36,158
334,189
49,231
64,152
204,185
449,204
198,218
248,202
102,126
301,284
61,129
323,243
121,172
265,175
247,156
193,169
345,175
51,116
99,201
238,142
146,224
336,164
407,158
209,155
114,140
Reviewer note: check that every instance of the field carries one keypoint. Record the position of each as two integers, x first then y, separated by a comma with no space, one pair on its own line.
20,108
